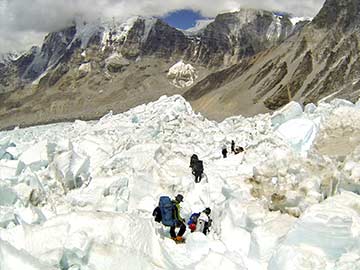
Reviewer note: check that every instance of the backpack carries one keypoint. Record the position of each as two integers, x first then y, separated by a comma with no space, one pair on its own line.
167,211
157,214
198,166
193,160
193,218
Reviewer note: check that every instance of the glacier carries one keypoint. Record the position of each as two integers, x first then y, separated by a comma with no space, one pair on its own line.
80,195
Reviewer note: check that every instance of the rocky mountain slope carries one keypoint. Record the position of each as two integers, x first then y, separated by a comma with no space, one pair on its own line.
90,68
319,62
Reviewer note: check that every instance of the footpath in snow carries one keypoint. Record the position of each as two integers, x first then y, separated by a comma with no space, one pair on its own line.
80,195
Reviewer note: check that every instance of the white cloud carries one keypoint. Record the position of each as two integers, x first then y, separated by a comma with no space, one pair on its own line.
22,22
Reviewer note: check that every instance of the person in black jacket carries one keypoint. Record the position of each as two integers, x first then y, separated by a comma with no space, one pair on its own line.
194,158
198,170
232,146
224,152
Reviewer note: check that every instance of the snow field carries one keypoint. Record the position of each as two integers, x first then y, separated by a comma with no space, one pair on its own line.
80,195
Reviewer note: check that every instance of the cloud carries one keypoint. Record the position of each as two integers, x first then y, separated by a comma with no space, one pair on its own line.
23,22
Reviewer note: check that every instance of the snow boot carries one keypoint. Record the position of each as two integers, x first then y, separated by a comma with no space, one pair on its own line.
179,239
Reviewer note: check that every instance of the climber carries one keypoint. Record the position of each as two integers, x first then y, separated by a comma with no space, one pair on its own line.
200,222
238,150
179,221
198,170
168,213
193,160
224,151
232,146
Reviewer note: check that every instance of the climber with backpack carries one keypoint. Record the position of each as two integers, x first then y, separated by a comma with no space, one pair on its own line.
194,158
168,213
200,222
192,221
198,170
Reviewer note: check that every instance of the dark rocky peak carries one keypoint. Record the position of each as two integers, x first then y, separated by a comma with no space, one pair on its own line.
259,19
152,36
164,40
234,35
36,61
230,36
55,44
342,14
138,31
25,60
58,47
241,17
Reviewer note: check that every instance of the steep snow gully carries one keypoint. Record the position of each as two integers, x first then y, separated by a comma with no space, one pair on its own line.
80,195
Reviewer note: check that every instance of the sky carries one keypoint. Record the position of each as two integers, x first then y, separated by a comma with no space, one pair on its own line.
24,23
183,19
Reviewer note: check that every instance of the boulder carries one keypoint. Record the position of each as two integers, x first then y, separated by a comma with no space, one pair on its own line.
84,69
116,63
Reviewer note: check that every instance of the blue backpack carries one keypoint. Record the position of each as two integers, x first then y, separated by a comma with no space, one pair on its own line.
167,211
193,218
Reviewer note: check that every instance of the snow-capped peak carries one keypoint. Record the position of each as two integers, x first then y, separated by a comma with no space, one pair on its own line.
86,30
10,56
117,31
200,24
295,20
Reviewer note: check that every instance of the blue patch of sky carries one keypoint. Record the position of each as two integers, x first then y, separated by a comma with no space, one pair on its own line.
280,13
183,19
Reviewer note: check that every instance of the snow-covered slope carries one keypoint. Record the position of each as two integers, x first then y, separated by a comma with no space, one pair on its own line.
7,57
200,25
80,195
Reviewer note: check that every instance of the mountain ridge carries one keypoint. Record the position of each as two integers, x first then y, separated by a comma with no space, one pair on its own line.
313,64
46,83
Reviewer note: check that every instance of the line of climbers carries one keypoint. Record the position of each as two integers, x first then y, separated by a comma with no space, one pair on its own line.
168,213
234,150
197,165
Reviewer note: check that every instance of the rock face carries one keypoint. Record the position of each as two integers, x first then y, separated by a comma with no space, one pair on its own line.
233,36
230,37
55,47
344,14
320,61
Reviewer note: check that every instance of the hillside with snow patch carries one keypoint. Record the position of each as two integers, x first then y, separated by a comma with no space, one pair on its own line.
80,195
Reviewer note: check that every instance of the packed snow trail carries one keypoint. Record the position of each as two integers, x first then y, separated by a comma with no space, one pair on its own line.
80,195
